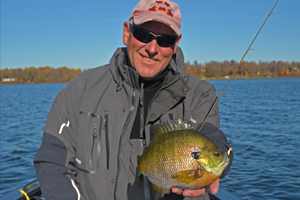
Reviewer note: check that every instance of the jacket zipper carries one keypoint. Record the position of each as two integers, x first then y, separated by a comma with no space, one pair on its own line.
94,140
121,138
105,129
142,119
95,144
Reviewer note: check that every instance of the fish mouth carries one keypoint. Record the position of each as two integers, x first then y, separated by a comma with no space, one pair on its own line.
220,167
226,159
224,162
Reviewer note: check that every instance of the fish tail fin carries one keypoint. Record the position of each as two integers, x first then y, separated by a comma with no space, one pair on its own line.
141,179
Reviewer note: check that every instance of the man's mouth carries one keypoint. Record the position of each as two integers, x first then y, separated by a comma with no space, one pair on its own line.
148,59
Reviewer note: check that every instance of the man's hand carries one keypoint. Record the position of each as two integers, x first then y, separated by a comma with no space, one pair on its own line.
213,188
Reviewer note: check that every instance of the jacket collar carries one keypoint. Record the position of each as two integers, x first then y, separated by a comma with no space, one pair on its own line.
177,62
174,88
122,72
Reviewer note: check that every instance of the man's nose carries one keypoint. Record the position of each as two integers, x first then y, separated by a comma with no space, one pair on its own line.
152,47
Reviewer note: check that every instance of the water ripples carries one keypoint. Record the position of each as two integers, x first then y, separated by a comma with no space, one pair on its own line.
24,110
260,117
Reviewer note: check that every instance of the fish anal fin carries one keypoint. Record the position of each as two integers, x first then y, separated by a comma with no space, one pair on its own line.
159,191
188,176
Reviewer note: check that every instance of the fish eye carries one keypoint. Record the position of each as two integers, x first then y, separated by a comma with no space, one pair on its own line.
196,155
217,153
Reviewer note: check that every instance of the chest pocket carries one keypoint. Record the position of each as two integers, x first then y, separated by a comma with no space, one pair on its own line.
89,142
173,114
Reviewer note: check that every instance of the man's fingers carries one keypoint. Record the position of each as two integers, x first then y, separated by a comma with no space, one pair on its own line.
177,191
214,187
194,193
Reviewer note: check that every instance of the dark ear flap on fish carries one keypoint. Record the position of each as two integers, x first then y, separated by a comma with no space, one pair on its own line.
166,127
158,191
188,176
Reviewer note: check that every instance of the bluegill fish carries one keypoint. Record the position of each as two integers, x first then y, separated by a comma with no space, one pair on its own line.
179,156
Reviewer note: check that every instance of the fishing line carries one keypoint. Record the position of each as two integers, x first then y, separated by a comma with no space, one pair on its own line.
281,31
216,101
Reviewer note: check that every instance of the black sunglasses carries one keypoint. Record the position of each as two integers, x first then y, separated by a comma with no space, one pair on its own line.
146,36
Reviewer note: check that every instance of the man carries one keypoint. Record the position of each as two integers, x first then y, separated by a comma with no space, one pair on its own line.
99,124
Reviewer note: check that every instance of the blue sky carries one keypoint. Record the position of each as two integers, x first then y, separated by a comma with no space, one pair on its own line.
85,34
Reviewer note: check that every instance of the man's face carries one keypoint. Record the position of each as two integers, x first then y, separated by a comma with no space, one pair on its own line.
149,59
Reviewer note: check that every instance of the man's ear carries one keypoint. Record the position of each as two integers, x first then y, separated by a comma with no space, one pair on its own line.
176,43
126,32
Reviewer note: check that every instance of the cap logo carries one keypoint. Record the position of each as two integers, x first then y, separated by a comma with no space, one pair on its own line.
161,6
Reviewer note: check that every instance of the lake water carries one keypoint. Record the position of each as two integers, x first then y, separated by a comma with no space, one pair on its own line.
261,118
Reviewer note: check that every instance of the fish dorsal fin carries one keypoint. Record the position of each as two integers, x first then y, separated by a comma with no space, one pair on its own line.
166,127
188,176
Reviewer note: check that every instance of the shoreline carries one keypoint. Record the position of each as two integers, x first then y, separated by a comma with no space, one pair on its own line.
249,78
212,78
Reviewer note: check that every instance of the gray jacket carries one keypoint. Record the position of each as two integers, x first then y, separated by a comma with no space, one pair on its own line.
86,143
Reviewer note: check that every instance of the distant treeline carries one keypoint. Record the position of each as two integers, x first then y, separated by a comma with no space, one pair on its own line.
38,75
211,69
215,69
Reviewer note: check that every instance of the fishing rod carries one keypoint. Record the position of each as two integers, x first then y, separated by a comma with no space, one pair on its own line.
216,101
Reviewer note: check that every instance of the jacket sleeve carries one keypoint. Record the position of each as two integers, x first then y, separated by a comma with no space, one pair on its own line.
55,160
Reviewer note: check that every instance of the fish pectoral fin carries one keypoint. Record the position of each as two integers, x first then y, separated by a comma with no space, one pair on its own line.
159,191
199,172
188,176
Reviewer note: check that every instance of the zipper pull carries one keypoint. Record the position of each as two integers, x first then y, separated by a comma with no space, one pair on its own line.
144,145
95,130
104,121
